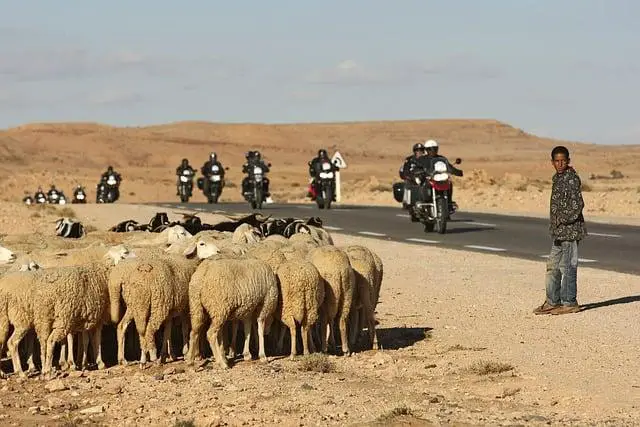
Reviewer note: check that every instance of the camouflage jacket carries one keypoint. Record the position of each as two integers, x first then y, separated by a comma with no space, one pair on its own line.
566,219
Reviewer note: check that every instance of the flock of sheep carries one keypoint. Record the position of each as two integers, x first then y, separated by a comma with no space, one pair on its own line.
64,291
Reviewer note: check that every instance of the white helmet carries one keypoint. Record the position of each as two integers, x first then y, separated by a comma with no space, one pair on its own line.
432,143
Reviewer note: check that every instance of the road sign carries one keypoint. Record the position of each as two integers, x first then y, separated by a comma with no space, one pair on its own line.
338,160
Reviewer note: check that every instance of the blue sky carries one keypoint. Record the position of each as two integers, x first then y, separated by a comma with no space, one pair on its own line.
565,68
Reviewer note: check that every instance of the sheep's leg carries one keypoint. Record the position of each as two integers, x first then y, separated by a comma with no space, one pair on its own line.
215,335
343,335
12,345
373,334
84,339
246,352
184,323
309,339
120,331
281,335
97,345
63,359
166,341
261,352
305,340
56,335
293,328
354,327
234,335
31,341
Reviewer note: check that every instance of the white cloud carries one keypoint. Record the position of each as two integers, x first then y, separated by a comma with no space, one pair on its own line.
348,72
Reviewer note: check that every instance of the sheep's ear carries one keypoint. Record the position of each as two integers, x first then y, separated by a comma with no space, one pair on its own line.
190,251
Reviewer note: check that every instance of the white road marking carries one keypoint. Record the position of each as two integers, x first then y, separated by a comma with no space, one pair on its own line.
482,224
415,239
371,233
304,207
403,215
603,234
485,248
579,259
329,227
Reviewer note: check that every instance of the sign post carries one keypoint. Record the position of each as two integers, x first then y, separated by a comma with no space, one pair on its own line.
339,162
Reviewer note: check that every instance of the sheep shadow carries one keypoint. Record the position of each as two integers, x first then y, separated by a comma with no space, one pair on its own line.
402,337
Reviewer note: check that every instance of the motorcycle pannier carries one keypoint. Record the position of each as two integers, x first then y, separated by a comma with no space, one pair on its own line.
398,191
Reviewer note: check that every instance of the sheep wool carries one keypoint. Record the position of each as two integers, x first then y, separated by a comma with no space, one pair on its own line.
231,289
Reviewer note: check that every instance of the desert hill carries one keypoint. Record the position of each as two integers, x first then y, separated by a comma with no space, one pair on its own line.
493,153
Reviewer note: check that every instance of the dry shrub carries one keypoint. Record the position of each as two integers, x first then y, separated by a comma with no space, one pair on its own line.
398,411
487,367
586,188
316,362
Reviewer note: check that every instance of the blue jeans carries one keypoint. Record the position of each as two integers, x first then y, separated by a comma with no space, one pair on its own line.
562,274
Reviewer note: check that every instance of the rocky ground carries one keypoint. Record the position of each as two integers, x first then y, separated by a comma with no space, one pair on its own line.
460,347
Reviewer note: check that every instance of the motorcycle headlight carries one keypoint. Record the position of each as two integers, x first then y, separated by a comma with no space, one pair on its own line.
257,170
440,166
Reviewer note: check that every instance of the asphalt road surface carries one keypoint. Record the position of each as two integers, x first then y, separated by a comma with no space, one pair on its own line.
609,247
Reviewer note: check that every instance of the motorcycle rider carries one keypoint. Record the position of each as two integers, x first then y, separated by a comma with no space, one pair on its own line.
184,169
428,161
314,170
39,194
52,194
207,171
79,190
406,171
110,172
254,158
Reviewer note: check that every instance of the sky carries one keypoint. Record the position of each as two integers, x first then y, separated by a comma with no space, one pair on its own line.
568,69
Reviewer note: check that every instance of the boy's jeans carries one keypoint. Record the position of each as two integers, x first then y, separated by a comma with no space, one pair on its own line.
562,273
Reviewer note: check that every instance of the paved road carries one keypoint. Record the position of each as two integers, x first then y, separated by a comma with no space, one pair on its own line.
609,247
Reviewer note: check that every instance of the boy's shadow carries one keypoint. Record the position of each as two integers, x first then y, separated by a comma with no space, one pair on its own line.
616,301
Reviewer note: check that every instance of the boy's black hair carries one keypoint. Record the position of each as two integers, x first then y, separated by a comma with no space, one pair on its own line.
560,149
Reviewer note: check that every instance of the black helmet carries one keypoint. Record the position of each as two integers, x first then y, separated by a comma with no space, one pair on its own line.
256,154
418,147
213,155
110,168
322,153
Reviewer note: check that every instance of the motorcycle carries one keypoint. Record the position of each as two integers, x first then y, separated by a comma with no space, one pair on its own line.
215,184
107,193
79,197
431,207
256,187
41,198
28,200
53,198
186,186
325,186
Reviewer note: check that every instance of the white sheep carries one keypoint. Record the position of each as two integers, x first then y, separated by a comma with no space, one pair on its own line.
364,265
155,289
334,267
231,289
72,299
302,292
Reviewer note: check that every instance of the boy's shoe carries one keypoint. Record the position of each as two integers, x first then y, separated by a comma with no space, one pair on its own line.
546,308
566,309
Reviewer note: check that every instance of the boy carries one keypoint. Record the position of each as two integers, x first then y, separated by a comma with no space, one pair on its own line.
567,229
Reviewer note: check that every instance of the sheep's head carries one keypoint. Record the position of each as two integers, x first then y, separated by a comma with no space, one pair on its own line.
7,256
177,233
246,233
119,252
203,248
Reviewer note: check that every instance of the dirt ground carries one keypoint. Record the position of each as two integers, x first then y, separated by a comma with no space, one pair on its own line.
505,169
460,347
